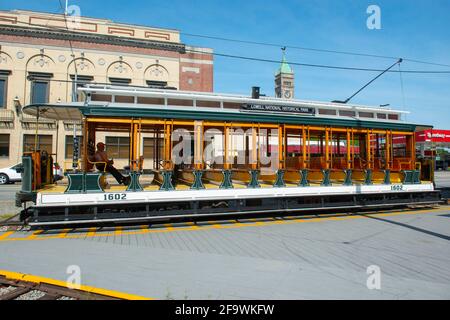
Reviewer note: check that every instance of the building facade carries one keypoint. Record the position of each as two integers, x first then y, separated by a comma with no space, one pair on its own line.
40,55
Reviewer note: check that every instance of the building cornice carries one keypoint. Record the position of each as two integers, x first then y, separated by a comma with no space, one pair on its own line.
60,34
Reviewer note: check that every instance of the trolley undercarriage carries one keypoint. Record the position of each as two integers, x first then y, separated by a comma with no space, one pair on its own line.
139,213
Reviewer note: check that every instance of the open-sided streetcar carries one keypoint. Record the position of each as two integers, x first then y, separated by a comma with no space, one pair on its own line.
193,154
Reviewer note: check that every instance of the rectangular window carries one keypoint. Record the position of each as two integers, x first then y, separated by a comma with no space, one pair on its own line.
366,114
381,115
150,145
120,81
346,113
4,145
118,147
44,142
39,91
327,112
3,82
393,117
154,83
69,146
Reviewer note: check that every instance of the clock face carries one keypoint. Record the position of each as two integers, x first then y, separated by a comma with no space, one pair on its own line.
287,94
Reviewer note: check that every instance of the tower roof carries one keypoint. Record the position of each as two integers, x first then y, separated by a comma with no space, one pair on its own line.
285,67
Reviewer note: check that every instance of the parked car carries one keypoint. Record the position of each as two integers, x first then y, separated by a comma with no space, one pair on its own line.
10,174
13,174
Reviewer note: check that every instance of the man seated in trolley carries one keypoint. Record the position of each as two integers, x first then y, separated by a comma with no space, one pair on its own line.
191,153
103,163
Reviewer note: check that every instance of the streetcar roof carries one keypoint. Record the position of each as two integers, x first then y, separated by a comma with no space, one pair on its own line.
66,112
138,102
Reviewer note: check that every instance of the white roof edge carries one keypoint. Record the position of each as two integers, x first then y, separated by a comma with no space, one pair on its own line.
170,107
150,92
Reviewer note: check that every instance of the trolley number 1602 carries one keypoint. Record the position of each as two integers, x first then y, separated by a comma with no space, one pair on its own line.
114,196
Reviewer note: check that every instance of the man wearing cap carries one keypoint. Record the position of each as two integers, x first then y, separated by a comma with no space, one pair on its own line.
101,156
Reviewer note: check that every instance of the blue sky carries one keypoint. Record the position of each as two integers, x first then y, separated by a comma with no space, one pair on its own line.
409,29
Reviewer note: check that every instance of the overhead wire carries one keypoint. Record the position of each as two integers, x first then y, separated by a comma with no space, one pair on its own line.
294,63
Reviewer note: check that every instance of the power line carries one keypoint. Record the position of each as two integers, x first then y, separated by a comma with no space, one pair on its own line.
292,63
309,49
286,46
319,65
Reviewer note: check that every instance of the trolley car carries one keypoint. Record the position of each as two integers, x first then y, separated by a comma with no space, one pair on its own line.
217,155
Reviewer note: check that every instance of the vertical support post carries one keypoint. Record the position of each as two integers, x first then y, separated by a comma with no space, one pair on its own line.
410,151
132,160
168,165
338,141
326,177
387,170
167,171
134,184
75,149
304,178
85,144
156,153
226,181
254,158
280,148
330,147
254,179
368,177
348,177
377,137
198,155
349,161
304,141
368,150
327,151
308,150
198,145
226,146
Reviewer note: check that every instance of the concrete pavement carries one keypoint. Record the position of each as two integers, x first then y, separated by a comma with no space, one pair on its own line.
265,259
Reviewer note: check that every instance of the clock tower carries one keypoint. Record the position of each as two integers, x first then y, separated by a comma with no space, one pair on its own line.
284,80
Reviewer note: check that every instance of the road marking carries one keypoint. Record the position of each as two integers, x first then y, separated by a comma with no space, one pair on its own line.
34,235
6,235
36,279
91,232
64,233
168,227
118,231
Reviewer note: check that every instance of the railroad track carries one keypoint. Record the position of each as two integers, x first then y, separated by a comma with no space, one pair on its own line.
17,286
26,290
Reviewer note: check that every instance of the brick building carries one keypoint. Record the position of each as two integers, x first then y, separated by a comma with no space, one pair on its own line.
37,65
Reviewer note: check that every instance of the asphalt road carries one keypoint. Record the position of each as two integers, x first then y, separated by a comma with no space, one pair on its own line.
391,255
442,178
8,192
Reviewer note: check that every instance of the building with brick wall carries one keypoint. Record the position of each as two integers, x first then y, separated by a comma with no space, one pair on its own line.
37,64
